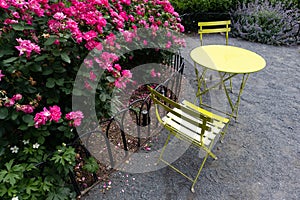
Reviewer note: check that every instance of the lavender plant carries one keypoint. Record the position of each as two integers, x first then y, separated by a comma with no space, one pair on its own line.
265,22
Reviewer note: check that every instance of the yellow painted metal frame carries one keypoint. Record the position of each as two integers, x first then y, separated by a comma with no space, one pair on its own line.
223,78
203,28
206,117
214,28
227,61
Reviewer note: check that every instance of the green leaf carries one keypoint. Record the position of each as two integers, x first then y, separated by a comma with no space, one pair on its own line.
62,40
46,185
41,140
54,99
110,79
50,40
36,68
23,127
50,83
91,165
18,27
62,128
59,69
3,190
3,113
77,92
9,60
9,164
30,167
6,51
2,131
14,115
30,89
60,81
102,97
2,175
27,119
45,133
18,168
40,58
64,56
12,190
56,52
11,178
66,90
29,27
47,71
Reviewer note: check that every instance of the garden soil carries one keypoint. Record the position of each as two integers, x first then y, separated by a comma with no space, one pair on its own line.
260,156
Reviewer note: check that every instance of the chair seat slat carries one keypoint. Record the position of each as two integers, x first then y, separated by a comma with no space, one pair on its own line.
210,134
213,128
186,132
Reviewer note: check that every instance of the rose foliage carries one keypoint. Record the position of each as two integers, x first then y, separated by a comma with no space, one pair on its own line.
42,46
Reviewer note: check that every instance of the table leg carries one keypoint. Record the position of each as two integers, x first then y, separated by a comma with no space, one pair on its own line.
224,77
235,107
242,86
200,81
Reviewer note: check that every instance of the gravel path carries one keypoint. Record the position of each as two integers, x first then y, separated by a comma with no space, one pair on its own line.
260,156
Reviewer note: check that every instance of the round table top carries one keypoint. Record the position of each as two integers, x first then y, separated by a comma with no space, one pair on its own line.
225,58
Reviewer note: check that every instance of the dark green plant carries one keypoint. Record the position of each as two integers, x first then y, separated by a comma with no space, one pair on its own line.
91,165
265,22
193,11
203,6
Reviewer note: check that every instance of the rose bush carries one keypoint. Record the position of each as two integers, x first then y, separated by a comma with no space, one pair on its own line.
42,45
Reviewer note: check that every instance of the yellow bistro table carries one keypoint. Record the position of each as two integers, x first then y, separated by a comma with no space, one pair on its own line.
228,61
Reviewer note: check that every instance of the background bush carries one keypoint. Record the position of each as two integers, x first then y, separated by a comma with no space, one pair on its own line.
275,23
202,10
265,22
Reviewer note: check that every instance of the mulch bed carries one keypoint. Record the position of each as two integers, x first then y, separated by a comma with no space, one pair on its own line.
87,180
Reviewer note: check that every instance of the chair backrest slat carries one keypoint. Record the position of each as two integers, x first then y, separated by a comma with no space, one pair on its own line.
168,105
214,23
215,30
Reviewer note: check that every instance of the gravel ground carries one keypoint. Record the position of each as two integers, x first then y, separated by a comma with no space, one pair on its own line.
260,156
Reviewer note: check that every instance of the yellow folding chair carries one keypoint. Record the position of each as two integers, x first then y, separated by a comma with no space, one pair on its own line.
214,27
188,123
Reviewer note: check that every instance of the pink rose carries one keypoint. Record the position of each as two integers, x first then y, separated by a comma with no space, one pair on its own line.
55,113
75,117
17,97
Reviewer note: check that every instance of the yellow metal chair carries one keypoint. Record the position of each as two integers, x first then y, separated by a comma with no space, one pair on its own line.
214,27
189,123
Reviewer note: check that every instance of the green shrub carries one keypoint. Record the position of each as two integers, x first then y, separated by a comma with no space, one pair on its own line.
205,10
287,3
202,6
208,10
42,46
267,23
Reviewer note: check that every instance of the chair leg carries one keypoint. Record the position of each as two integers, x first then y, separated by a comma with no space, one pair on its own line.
198,174
223,133
209,153
164,148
